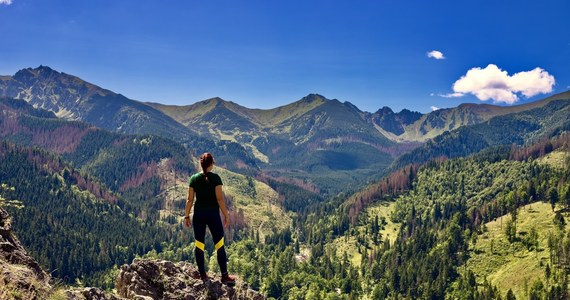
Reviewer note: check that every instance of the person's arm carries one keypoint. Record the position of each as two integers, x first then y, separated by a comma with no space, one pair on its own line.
189,204
222,204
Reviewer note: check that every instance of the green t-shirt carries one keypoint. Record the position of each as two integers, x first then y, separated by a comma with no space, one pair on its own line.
205,191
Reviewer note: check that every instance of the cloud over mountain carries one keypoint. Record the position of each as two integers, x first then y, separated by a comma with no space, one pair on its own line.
497,85
6,2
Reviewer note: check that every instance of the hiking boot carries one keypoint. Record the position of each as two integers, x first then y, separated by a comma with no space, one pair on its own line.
202,276
228,280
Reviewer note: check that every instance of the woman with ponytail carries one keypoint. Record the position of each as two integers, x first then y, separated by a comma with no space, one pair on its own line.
207,187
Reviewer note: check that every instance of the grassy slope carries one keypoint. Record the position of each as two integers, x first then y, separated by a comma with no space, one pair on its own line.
507,265
258,202
273,117
185,114
390,231
555,159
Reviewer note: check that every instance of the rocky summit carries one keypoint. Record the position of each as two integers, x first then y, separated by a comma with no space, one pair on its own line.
145,279
155,279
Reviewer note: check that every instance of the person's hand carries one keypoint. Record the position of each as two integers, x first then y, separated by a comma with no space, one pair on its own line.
187,222
226,221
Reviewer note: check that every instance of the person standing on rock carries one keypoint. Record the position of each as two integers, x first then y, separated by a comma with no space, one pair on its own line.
207,187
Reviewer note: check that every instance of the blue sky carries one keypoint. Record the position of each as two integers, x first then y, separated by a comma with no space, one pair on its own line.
263,54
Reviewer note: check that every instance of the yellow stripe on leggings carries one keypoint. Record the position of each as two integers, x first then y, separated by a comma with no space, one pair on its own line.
220,244
200,245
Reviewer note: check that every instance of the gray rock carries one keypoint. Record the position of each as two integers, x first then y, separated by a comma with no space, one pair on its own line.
89,294
20,272
158,279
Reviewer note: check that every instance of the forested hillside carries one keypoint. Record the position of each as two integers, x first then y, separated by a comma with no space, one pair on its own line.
447,209
63,224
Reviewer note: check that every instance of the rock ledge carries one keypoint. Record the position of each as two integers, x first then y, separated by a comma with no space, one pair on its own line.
160,279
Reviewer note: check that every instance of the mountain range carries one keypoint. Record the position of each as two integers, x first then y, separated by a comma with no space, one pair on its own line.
71,98
314,138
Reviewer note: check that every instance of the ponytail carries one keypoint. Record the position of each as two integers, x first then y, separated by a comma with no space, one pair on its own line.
206,160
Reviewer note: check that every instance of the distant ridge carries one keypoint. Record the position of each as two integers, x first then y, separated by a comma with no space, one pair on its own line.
313,138
74,99
311,133
263,118
437,122
542,119
404,126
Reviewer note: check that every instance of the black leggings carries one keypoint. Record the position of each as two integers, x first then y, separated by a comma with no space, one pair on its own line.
214,222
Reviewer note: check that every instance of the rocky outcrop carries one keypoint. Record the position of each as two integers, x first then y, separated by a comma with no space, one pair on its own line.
157,279
21,276
145,279
89,294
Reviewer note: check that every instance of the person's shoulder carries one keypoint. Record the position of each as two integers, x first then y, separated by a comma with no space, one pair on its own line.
215,177
194,177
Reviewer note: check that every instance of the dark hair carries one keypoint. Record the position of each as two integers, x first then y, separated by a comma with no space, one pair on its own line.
206,160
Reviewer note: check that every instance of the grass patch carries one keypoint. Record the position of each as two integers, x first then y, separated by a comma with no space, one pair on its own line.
384,210
508,265
349,243
556,159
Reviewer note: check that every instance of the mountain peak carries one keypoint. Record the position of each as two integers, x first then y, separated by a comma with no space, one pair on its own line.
49,78
27,73
385,110
313,97
45,69
216,99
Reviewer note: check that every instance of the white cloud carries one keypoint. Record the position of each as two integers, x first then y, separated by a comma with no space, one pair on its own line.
452,95
7,2
433,108
496,84
435,54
